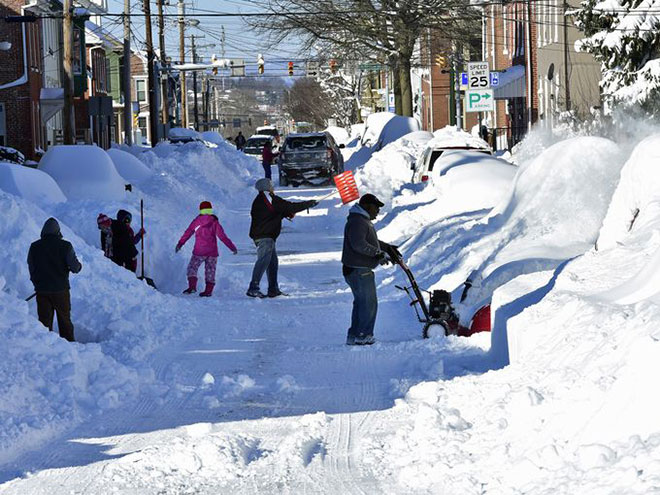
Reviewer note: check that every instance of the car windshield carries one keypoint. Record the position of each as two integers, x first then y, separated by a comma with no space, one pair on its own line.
255,143
306,143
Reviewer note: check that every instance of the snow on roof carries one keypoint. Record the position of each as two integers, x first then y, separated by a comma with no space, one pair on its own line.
453,136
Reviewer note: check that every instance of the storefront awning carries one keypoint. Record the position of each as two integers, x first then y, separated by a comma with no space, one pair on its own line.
52,101
511,84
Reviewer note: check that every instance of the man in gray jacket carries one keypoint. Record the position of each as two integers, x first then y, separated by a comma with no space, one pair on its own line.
362,253
50,260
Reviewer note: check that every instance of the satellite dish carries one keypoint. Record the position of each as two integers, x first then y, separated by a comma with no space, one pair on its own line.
551,72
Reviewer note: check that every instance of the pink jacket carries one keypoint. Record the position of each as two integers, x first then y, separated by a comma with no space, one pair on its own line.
206,228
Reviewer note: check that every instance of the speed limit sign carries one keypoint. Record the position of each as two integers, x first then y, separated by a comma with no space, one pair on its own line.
478,75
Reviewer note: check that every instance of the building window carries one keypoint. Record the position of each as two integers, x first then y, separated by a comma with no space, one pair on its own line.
142,124
108,75
141,90
77,51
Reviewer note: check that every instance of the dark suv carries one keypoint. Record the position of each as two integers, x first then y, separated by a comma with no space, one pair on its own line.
310,158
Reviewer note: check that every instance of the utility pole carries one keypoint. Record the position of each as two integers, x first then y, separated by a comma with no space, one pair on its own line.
194,56
161,41
566,61
153,109
128,117
68,114
530,70
182,57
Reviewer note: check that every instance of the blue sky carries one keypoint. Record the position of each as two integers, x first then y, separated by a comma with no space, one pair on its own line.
240,42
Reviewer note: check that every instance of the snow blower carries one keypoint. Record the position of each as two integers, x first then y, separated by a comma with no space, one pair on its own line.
438,316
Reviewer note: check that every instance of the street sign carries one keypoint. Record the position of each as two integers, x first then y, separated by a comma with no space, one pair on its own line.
237,66
313,69
478,75
479,100
494,80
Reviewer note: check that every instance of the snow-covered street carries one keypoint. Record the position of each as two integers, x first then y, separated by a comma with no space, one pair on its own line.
263,392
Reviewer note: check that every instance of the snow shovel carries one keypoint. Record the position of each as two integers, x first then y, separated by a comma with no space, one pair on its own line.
148,280
346,187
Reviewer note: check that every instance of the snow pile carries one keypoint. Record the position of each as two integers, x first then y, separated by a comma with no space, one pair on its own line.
50,384
182,133
83,172
534,229
468,181
29,183
452,136
129,167
339,134
380,130
213,137
389,169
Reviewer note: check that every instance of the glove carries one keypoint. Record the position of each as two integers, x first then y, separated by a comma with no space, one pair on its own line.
313,203
382,259
142,232
177,248
234,252
394,252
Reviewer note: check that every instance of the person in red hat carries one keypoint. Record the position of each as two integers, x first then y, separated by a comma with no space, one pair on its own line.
206,228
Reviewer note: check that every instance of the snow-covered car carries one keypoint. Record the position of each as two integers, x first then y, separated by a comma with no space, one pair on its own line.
445,140
270,130
11,155
182,135
311,158
255,144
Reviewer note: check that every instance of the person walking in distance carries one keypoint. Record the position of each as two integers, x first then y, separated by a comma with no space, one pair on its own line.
239,141
50,259
362,252
206,228
267,157
267,213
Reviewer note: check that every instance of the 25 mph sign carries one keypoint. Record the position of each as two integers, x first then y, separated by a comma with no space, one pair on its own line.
478,75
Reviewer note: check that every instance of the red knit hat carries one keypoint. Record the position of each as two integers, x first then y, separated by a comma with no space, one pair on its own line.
205,205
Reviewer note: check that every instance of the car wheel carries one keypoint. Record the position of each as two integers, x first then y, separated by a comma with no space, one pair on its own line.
283,181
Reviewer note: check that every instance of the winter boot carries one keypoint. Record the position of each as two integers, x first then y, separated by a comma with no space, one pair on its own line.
208,292
192,286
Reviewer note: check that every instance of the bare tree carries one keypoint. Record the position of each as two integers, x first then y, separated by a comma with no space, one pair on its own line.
307,102
385,31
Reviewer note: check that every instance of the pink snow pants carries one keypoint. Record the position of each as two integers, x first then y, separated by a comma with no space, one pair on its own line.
210,263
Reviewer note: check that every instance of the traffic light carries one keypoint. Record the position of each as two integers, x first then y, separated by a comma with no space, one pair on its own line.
214,61
333,66
215,71
441,61
290,68
260,64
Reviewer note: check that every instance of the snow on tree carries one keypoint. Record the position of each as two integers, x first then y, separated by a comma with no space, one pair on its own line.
624,36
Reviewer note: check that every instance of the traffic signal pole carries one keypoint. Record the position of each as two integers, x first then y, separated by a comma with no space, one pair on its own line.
161,41
153,107
182,59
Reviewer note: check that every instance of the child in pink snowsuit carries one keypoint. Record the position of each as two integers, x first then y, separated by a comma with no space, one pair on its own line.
206,228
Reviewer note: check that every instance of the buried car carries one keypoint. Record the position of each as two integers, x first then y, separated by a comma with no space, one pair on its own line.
310,158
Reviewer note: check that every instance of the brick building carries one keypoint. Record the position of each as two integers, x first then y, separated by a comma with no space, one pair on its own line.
21,82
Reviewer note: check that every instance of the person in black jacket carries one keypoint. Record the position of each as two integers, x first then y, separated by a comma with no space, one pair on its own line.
239,141
124,252
362,252
267,214
50,259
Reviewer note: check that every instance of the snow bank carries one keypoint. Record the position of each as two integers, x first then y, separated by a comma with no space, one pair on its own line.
83,172
389,169
29,183
182,133
380,130
51,385
213,137
339,134
130,168
453,136
637,196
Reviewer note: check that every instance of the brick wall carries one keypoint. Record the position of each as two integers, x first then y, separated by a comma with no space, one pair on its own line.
23,122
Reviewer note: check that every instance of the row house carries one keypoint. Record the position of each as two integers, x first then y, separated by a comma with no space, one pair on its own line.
434,106
541,75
